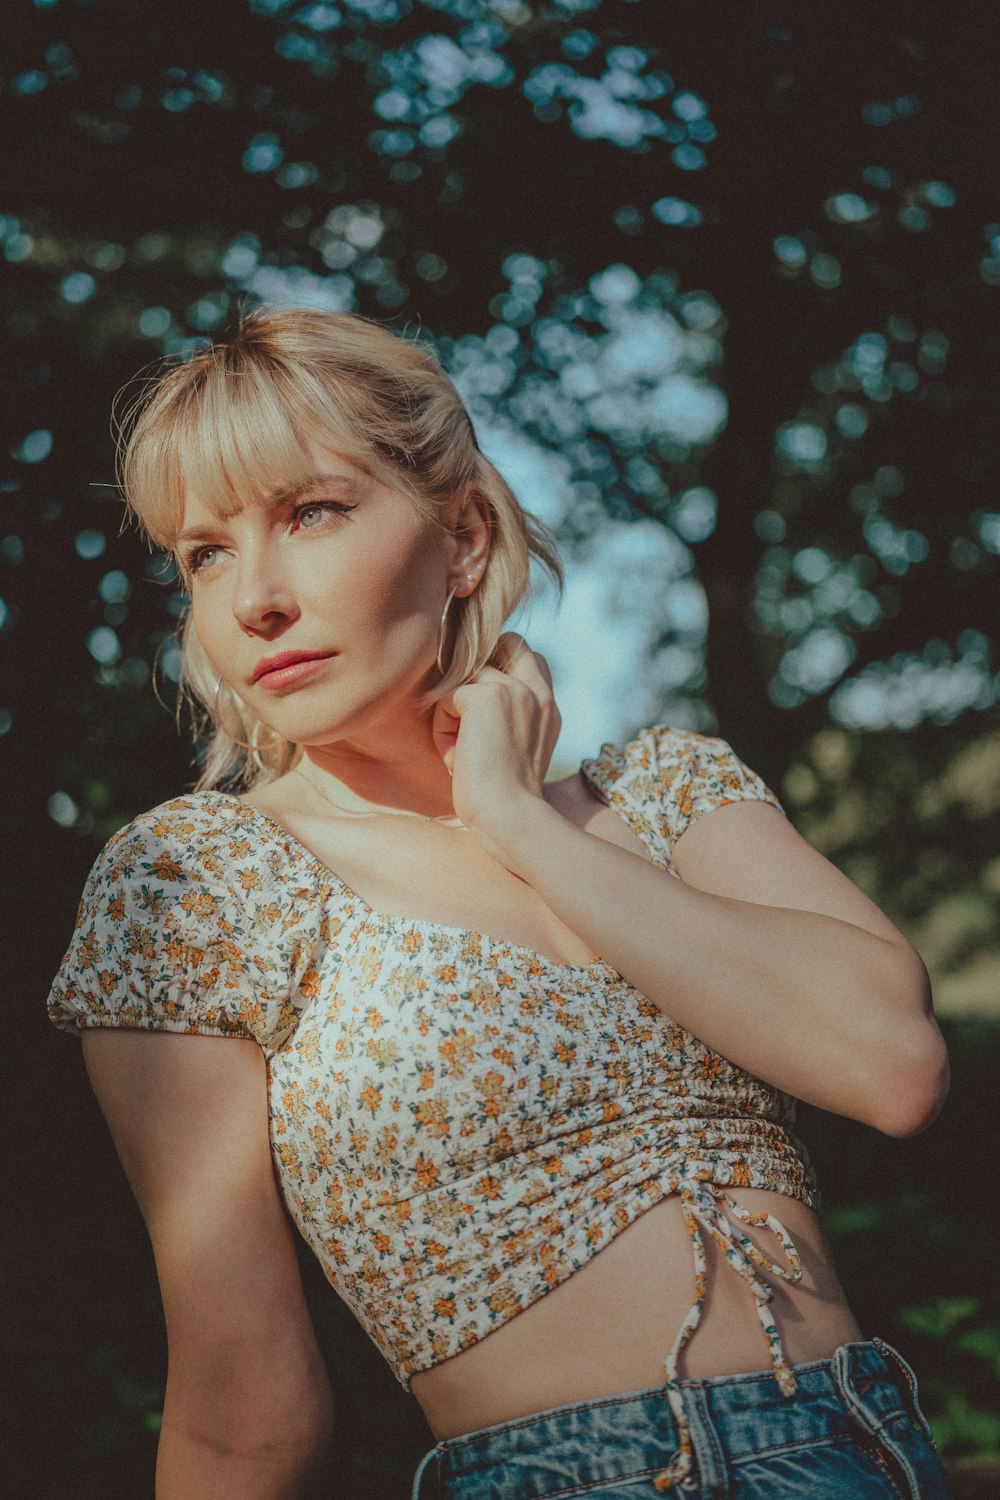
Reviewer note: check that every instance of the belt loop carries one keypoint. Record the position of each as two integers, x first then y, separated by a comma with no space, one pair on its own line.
709,1460
867,1417
910,1391
853,1403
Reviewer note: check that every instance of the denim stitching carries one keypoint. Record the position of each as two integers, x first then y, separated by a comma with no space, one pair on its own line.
890,1354
583,1489
873,1429
717,1478
865,1441
910,1467
875,1426
892,1479
762,1376
888,1420
454,1445
887,1350
839,1439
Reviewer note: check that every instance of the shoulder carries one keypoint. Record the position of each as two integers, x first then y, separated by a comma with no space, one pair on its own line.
180,846
185,834
657,757
208,841
668,777
177,928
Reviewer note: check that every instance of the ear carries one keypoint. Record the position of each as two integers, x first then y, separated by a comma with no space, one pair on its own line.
470,546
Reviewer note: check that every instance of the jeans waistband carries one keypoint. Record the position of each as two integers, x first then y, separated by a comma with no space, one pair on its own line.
858,1390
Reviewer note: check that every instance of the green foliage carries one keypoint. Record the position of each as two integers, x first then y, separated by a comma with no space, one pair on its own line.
975,1429
960,1425
915,1263
738,282
612,218
939,1317
985,1342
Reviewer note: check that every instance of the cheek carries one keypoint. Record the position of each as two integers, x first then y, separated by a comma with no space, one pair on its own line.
206,631
392,582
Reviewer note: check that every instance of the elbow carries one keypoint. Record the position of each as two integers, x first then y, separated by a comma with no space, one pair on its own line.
908,1072
209,1455
909,1095
220,1419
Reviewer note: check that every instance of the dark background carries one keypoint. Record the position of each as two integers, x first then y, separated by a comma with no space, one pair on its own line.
810,195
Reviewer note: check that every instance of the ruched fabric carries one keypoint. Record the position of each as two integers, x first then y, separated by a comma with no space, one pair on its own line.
458,1122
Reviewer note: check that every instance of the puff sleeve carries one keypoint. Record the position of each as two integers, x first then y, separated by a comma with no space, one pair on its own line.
162,941
695,773
664,779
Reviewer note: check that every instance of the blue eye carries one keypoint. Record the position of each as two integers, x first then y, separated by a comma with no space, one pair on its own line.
195,560
322,507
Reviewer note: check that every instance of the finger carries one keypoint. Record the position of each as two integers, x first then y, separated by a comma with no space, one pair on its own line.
543,667
456,702
508,649
444,730
513,677
518,660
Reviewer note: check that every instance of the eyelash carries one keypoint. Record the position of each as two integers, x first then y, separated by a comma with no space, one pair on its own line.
190,559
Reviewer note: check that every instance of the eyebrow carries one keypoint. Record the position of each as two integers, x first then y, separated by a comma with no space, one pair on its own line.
311,486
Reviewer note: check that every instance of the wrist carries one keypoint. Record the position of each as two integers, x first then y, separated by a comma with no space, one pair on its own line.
514,831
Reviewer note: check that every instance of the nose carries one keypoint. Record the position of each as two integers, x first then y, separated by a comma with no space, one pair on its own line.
263,600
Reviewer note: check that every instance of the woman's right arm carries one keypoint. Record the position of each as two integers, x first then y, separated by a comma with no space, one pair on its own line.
248,1409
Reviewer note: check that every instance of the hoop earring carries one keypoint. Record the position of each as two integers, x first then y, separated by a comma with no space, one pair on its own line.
441,632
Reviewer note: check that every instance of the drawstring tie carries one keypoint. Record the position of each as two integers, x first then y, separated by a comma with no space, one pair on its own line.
700,1206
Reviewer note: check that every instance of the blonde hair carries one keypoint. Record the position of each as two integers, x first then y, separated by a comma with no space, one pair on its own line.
231,423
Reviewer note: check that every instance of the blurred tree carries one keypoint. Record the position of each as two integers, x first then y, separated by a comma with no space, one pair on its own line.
830,492
734,269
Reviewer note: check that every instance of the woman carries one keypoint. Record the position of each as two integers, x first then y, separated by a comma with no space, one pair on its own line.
446,984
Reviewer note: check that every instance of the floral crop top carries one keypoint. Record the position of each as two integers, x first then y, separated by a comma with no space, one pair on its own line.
458,1123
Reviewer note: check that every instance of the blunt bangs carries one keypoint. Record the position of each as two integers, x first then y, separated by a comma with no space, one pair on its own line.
232,436
231,426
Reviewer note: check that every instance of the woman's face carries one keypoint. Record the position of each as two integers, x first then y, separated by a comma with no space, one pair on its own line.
346,571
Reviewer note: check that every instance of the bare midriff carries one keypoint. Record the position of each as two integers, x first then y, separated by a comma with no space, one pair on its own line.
609,1326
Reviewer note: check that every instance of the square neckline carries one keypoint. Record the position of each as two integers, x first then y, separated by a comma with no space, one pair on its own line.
597,966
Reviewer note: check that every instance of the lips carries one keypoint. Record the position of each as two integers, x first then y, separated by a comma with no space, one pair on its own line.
286,659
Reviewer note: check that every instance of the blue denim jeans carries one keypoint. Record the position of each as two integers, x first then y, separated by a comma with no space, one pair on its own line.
853,1430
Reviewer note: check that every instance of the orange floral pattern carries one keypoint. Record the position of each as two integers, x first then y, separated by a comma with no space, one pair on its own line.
458,1123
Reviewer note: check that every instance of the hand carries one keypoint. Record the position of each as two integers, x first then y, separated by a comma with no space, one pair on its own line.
496,734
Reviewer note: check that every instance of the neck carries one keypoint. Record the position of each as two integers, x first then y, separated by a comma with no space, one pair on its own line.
396,766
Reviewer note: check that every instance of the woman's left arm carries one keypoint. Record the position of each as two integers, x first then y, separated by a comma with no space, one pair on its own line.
763,949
